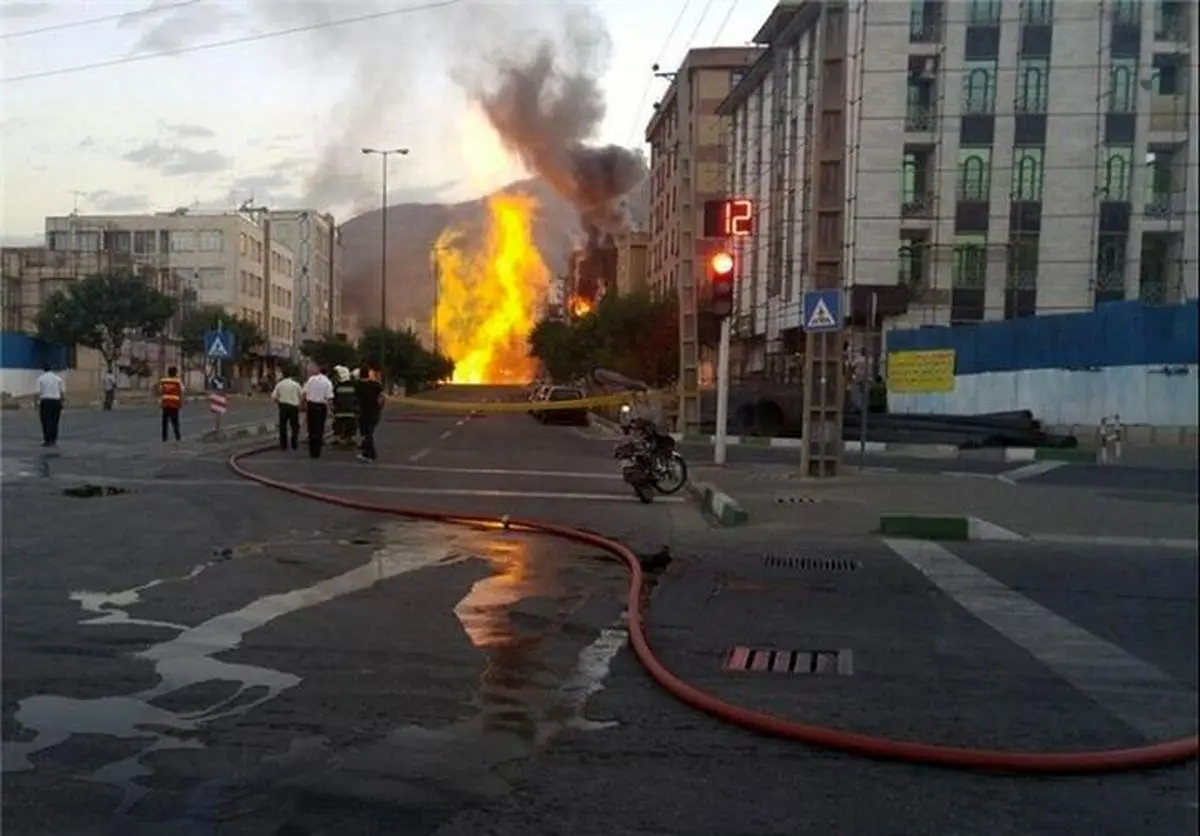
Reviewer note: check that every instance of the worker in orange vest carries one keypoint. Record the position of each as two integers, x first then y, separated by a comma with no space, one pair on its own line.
170,399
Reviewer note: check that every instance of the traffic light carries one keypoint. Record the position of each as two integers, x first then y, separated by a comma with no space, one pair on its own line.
720,277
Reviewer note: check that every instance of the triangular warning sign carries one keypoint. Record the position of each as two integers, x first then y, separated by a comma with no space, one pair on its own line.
821,317
217,347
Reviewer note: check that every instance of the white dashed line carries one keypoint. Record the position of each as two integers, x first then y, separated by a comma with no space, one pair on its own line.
444,435
1029,471
420,454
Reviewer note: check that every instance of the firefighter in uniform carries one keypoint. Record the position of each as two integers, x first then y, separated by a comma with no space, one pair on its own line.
170,400
345,409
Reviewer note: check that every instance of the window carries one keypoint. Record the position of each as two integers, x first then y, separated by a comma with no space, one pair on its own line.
211,241
1116,176
1128,12
183,242
1122,85
88,242
211,278
1033,85
1111,252
244,282
1165,76
143,242
974,173
1028,170
912,263
59,241
979,87
984,13
1020,281
117,241
970,262
1037,12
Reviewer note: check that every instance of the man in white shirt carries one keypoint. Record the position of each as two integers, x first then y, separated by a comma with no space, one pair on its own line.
50,392
287,396
110,390
317,392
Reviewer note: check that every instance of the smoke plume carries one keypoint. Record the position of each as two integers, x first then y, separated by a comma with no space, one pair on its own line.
545,111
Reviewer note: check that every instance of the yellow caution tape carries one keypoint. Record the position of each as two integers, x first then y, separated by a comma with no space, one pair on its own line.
513,406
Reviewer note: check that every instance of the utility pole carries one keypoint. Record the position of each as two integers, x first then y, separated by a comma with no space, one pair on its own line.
383,153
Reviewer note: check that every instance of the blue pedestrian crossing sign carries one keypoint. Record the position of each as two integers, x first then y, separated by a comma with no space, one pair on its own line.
218,345
822,310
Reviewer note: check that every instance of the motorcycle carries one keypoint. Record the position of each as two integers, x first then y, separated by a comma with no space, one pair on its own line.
636,469
668,469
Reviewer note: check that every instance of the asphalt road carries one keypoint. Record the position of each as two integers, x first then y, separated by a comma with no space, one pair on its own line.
199,655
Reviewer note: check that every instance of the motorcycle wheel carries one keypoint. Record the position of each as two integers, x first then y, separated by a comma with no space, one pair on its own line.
644,492
676,476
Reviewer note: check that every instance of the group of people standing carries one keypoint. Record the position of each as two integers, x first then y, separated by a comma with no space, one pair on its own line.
317,397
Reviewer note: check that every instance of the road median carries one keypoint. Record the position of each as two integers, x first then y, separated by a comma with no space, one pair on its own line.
716,505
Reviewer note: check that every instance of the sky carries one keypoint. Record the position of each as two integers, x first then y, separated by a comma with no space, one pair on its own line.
129,106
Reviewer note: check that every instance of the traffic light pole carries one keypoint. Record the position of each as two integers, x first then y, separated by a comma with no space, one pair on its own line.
719,437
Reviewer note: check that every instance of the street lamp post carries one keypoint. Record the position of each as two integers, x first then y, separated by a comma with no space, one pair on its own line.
383,153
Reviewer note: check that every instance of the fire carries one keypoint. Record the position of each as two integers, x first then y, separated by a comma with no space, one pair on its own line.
579,307
488,301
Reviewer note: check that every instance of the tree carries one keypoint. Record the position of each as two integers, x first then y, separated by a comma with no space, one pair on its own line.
247,337
405,357
334,351
636,335
101,310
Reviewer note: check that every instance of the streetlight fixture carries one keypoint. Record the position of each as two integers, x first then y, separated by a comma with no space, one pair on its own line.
383,153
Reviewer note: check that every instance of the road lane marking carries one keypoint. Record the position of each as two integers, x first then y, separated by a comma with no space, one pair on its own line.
1116,540
444,435
468,471
1030,470
1139,694
341,490
415,457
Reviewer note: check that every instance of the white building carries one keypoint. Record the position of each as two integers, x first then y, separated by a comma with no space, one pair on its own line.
314,239
202,259
989,159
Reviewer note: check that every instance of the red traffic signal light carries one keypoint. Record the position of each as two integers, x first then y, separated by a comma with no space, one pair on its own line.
720,275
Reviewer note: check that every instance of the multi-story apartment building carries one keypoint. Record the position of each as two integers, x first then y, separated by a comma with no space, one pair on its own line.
316,243
687,167
228,260
992,159
632,267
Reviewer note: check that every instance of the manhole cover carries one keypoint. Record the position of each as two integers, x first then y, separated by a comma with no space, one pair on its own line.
771,660
795,499
810,564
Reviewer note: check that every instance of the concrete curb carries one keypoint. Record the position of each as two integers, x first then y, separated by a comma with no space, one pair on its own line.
922,527
925,451
718,506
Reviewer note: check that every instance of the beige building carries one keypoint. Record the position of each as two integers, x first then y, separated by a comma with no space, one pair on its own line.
632,261
314,240
687,167
202,259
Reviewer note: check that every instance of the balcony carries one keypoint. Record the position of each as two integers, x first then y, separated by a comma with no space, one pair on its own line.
925,23
1168,114
1171,23
1166,205
918,205
920,118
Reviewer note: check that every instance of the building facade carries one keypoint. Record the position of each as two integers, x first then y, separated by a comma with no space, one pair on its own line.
228,260
632,267
994,159
315,242
687,167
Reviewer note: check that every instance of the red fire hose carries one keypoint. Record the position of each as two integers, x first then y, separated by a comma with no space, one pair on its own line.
1046,763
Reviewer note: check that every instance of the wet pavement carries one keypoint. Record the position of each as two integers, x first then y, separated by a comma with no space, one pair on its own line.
200,655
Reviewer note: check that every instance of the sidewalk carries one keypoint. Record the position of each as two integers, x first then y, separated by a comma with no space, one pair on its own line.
850,506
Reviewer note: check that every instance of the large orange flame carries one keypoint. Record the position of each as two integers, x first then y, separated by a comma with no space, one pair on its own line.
489,301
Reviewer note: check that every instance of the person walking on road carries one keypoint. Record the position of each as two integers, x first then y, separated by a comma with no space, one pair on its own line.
50,393
287,395
318,392
170,401
110,390
370,409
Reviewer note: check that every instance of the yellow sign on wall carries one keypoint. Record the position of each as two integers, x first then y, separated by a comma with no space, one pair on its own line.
920,372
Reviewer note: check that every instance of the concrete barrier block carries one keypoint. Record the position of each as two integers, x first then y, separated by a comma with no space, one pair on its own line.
920,527
717,505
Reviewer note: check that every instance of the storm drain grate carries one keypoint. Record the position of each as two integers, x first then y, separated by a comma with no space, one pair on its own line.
810,564
766,660
795,499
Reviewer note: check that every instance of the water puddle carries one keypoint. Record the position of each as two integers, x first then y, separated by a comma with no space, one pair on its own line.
523,617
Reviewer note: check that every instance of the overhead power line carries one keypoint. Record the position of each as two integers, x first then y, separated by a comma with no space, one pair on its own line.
92,21
245,39
637,114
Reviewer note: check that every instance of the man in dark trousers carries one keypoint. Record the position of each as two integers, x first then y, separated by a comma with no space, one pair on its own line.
370,410
318,392
287,396
50,392
170,398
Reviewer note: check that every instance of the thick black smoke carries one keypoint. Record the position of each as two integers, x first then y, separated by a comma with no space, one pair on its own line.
545,114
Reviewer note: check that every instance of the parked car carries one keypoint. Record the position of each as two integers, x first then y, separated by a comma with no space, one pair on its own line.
539,394
557,394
